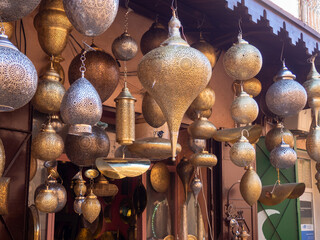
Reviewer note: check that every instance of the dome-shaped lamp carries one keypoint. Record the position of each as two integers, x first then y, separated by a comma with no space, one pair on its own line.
283,156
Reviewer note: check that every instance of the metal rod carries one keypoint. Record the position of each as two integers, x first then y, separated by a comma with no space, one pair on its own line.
6,227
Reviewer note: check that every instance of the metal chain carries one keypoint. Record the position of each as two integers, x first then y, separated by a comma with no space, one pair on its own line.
125,73
83,66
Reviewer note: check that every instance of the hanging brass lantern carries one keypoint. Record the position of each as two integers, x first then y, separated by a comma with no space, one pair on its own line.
286,97
56,123
57,189
250,186
154,148
2,158
56,60
203,159
283,156
4,195
8,28
204,101
49,94
77,204
244,109
83,150
153,38
242,61
242,153
152,112
193,114
18,80
185,171
207,49
81,107
124,47
196,186
47,145
274,136
14,10
91,207
46,200
102,188
312,86
169,72
53,27
91,18
202,129
160,177
102,71
80,187
252,86
125,117
313,144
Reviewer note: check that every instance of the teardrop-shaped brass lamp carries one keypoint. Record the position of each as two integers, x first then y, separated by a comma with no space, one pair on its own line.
47,145
91,207
152,112
18,80
250,186
81,107
286,97
242,61
169,72
91,18
194,114
196,186
272,195
53,27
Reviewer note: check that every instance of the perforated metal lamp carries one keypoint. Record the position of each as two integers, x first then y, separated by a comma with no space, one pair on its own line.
18,76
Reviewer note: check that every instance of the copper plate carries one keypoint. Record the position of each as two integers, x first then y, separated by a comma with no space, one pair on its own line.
233,134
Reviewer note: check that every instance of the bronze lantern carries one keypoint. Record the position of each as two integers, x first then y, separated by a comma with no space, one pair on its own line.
283,156
250,186
124,47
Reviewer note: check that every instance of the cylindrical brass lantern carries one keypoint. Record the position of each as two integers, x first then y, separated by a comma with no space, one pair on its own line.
244,109
153,38
124,47
49,94
47,145
18,78
53,27
125,117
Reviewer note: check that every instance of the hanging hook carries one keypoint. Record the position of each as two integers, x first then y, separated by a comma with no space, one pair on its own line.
245,130
312,58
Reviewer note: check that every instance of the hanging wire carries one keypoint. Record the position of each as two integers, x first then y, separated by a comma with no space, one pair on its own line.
240,28
24,37
205,203
75,40
73,48
281,55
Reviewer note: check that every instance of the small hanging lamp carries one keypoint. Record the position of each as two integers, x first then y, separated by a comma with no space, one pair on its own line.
250,186
283,156
81,106
152,112
274,136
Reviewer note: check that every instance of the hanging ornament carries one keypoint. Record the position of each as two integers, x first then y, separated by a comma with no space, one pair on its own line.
242,153
2,158
56,123
153,38
286,97
53,27
77,204
47,145
80,187
250,186
204,101
83,150
312,85
168,74
244,109
102,188
196,186
125,117
201,129
152,112
160,177
207,49
18,79
46,200
252,86
124,47
101,70
56,60
203,159
58,189
193,114
313,141
274,136
154,148
242,61
91,18
185,171
49,94
8,28
13,10
91,206
283,156
81,106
